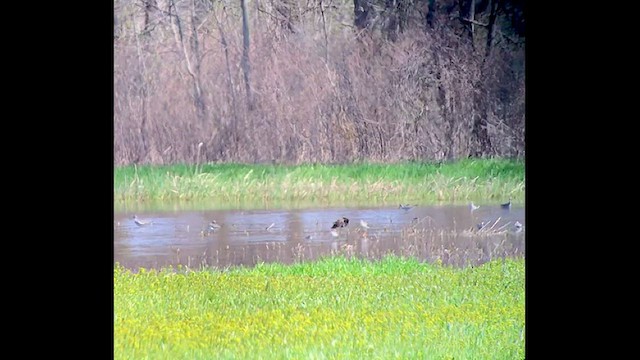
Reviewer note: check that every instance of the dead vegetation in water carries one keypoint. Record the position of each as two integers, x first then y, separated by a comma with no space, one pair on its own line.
426,243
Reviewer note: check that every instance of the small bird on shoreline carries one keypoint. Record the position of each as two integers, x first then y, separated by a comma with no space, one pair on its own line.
405,207
364,224
473,206
141,222
341,222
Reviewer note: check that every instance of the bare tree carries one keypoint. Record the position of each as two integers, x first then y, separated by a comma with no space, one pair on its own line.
150,152
431,13
246,65
363,12
186,38
491,26
287,14
231,87
376,82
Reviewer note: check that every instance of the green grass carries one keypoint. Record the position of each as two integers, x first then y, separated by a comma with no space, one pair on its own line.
472,179
336,308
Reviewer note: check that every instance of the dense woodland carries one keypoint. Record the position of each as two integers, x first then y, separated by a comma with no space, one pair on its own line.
320,81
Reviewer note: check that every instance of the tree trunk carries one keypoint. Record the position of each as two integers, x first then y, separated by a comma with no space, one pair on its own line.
468,18
190,51
480,131
491,27
324,29
431,13
246,66
149,150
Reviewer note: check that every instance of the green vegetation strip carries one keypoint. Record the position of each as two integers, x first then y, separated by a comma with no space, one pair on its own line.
471,179
334,308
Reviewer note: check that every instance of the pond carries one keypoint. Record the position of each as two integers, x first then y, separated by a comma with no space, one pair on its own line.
453,234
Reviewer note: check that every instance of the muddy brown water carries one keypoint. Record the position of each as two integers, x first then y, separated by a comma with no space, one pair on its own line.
447,233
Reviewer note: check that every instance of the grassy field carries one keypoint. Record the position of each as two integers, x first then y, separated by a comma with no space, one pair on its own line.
468,180
334,308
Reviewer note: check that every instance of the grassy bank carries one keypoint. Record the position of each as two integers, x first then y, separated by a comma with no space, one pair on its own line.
374,183
335,308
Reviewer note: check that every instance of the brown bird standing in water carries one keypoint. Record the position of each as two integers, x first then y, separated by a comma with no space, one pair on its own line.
342,222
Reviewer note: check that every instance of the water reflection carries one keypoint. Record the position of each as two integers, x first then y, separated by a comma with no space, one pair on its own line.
454,234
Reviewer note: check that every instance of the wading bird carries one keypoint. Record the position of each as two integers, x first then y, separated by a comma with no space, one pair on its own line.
141,222
341,222
506,205
213,226
364,224
473,206
405,207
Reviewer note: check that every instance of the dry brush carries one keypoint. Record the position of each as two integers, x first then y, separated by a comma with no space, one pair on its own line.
321,90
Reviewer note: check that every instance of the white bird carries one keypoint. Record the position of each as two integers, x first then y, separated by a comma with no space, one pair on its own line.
364,224
518,226
270,226
473,206
141,222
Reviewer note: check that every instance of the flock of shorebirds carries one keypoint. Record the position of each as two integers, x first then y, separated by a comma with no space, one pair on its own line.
342,221
517,226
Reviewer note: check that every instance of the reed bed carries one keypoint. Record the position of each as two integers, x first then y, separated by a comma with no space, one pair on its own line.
475,179
334,308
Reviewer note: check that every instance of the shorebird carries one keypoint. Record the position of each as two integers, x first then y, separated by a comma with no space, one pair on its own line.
364,224
506,205
341,222
405,207
518,227
213,226
473,206
141,222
